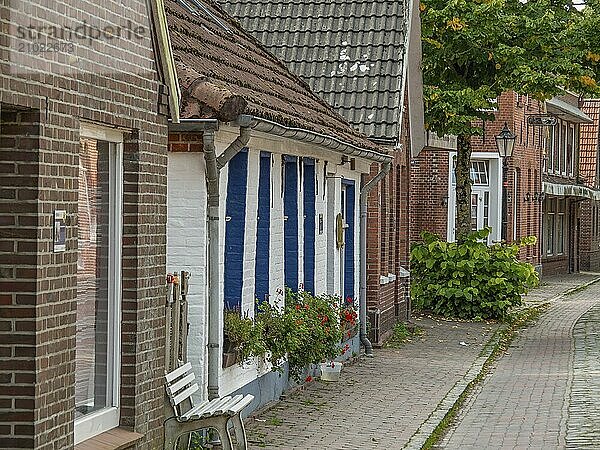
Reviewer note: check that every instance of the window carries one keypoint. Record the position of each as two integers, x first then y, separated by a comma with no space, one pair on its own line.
479,172
560,226
97,362
555,226
474,208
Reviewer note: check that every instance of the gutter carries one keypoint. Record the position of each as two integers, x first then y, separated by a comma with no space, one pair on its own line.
312,137
364,195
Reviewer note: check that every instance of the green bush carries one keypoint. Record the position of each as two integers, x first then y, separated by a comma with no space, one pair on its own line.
469,279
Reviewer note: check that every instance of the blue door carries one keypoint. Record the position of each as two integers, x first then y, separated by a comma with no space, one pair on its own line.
235,229
309,224
263,229
290,224
349,210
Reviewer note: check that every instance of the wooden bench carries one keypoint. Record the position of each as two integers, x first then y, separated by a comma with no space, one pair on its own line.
214,414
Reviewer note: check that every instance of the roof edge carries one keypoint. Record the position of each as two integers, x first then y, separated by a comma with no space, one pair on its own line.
311,137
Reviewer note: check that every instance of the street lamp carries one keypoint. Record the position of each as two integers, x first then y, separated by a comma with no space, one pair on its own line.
505,142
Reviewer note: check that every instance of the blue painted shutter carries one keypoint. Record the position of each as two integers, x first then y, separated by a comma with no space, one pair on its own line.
263,229
235,210
349,240
309,224
290,225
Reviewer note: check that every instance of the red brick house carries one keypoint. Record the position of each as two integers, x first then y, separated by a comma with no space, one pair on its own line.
541,179
590,176
367,66
84,103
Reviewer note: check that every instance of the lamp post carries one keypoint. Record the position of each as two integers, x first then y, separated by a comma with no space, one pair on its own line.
505,142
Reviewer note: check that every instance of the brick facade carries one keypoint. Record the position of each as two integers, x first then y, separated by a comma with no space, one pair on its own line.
43,102
524,176
388,245
589,172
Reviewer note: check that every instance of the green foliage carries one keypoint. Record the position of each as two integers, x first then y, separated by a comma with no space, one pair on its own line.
469,279
474,50
243,334
305,330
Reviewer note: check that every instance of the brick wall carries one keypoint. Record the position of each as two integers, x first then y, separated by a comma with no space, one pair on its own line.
19,141
113,83
388,244
430,175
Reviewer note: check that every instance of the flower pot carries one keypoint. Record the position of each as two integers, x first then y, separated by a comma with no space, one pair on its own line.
230,358
330,371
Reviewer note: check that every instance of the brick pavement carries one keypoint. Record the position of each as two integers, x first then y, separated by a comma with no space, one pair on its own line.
583,423
402,393
523,403
379,402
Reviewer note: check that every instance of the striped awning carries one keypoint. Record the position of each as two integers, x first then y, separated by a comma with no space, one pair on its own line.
569,190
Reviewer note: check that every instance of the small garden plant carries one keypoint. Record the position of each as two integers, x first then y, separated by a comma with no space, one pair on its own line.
470,279
304,330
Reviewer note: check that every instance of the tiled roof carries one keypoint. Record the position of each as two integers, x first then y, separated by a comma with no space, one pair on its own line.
208,43
349,52
589,142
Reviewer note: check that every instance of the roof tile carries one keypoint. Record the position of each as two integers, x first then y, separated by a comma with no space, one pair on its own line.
349,52
208,42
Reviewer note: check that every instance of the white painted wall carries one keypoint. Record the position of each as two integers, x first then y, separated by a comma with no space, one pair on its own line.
186,236
186,245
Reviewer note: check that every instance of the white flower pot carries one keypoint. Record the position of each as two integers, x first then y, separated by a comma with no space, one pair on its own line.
330,371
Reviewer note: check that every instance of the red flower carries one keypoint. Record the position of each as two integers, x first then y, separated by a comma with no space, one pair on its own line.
309,379
297,307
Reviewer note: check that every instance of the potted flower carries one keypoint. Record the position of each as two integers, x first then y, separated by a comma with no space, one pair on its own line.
242,338
348,319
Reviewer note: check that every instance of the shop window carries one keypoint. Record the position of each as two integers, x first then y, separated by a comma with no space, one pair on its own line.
97,363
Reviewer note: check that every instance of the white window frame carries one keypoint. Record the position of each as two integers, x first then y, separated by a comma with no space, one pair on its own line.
107,418
494,186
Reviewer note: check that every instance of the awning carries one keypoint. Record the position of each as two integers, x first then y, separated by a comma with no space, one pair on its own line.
569,190
567,111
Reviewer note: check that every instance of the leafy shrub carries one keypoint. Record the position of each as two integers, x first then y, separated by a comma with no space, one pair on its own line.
469,279
242,334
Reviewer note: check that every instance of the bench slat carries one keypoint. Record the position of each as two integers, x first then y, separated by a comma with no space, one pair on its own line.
226,406
207,411
177,386
187,393
178,372
239,406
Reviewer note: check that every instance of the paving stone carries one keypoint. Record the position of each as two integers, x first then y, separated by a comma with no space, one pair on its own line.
396,399
524,399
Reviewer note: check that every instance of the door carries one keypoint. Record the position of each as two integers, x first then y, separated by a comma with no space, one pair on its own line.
480,208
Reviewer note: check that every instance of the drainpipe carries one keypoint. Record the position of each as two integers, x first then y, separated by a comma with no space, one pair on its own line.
364,194
213,166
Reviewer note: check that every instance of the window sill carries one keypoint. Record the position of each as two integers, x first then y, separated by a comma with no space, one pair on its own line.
115,439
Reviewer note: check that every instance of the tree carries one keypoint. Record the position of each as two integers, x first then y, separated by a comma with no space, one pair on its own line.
474,50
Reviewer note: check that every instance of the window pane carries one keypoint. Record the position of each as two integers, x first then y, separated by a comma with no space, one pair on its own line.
560,239
91,374
550,234
474,201
556,147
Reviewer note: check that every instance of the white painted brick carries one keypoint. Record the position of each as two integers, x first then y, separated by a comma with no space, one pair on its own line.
186,245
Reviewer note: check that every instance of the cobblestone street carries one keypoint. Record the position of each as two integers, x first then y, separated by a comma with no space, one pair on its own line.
523,403
540,394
